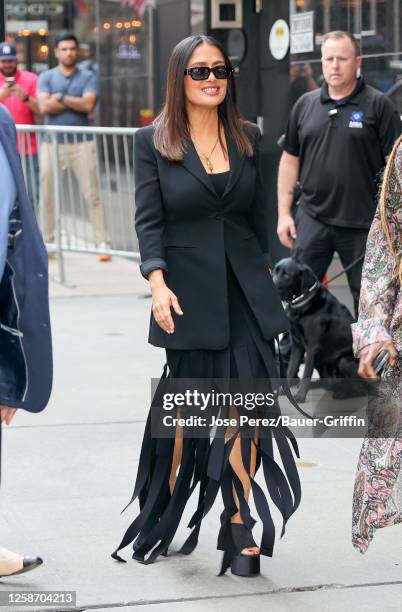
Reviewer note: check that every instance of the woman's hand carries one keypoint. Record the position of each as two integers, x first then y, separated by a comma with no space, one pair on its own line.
163,299
7,414
370,352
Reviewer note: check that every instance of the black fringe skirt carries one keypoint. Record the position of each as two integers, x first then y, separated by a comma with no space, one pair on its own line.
205,462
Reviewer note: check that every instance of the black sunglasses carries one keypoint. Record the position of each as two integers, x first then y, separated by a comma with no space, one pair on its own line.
201,73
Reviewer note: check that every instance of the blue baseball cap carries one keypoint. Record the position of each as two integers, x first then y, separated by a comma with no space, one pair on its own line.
8,51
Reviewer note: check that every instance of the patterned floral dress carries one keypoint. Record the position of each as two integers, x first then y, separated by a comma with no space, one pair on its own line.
377,498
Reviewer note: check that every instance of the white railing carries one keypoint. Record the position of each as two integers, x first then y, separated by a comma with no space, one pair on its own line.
81,184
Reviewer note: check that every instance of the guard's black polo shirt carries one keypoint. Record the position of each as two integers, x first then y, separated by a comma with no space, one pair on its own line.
342,153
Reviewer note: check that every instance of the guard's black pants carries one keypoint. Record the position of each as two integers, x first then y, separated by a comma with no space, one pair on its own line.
318,241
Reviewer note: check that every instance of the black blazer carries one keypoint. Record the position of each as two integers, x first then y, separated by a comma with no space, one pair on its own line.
185,228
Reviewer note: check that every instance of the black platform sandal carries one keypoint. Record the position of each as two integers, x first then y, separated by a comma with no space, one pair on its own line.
238,538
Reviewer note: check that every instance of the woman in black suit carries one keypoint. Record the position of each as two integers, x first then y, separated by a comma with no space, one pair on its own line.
201,221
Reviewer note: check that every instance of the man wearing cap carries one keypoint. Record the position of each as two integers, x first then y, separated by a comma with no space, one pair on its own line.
25,338
336,144
18,95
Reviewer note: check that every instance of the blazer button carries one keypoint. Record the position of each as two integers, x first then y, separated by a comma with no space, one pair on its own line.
218,217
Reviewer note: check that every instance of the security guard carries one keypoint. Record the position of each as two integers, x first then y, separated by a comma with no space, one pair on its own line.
336,143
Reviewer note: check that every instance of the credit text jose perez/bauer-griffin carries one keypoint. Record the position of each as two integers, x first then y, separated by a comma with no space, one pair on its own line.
198,421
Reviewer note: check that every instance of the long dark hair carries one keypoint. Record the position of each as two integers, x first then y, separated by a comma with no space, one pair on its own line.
171,125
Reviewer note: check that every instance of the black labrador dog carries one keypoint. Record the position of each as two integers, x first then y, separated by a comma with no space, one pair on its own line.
319,328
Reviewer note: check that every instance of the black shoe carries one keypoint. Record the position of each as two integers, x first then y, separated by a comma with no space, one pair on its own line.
238,537
28,564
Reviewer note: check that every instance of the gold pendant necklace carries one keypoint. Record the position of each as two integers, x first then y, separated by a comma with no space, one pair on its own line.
208,157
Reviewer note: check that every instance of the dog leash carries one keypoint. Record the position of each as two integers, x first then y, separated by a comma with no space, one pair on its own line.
347,268
306,297
285,384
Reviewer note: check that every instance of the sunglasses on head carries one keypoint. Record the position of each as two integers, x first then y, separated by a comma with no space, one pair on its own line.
201,73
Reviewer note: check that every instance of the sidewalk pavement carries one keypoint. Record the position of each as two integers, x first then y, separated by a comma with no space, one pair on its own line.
68,472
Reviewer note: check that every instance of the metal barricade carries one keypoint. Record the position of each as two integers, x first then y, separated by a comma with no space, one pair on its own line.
81,184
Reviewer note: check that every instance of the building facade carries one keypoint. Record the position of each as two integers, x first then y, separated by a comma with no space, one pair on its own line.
275,46
117,43
128,42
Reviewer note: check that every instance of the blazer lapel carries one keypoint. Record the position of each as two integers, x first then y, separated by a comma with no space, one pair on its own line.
236,164
193,164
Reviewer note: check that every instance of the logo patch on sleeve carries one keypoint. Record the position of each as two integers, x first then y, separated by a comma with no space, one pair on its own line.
356,119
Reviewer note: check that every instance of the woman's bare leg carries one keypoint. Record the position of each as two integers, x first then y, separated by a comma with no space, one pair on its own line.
176,459
236,461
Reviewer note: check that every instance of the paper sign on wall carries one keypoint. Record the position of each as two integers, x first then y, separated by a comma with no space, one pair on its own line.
302,32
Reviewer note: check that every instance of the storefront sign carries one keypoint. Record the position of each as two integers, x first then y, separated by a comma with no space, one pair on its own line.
302,32
37,9
14,26
126,51
279,39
